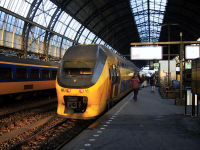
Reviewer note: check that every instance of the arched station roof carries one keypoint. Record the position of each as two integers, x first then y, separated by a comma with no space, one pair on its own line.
111,20
116,22
51,26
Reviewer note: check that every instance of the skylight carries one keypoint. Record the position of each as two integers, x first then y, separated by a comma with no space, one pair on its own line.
149,16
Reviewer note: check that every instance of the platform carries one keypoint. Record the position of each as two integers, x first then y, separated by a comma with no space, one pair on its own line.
151,123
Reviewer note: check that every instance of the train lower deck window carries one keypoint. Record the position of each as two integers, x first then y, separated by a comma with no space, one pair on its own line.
35,74
54,73
6,73
21,73
45,74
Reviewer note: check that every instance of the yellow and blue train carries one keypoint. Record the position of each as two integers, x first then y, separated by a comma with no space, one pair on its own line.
90,78
25,75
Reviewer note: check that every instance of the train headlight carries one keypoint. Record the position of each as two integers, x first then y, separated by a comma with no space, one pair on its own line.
87,91
62,90
68,90
81,91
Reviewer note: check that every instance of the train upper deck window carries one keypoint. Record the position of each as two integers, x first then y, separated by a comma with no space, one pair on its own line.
54,73
35,74
6,73
45,74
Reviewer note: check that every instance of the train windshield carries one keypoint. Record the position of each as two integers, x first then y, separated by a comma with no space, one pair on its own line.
78,67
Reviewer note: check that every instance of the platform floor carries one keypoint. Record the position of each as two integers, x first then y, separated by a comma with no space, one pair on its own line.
151,123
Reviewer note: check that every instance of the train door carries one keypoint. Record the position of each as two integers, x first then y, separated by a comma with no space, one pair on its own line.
115,77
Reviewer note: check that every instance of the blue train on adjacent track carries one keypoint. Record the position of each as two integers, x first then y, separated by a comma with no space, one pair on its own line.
25,75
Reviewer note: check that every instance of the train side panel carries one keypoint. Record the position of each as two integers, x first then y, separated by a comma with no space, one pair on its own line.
125,83
20,87
19,77
105,88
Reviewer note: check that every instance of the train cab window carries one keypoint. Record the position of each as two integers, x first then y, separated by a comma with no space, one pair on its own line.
54,73
35,74
21,73
6,73
78,71
45,74
78,67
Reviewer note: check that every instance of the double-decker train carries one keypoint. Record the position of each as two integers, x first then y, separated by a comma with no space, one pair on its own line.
90,78
25,75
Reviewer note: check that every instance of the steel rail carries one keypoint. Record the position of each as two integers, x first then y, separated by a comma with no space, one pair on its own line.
18,145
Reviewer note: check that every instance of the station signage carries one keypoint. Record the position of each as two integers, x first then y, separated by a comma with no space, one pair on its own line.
192,51
146,53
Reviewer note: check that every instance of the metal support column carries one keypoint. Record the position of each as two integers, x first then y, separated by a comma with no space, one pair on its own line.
148,4
28,26
193,104
181,65
169,74
197,105
78,35
49,35
185,102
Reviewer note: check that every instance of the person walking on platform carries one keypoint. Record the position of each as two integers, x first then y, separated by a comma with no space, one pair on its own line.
135,85
153,83
143,81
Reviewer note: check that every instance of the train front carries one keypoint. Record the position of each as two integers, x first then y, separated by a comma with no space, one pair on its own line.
78,82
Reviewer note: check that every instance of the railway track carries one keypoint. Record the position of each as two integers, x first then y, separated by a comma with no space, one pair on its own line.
9,122
32,123
20,144
12,106
38,128
53,134
36,107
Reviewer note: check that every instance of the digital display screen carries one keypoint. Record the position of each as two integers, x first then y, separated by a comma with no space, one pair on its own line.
146,53
192,51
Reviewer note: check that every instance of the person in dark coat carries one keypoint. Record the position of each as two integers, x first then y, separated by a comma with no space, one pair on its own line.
135,85
153,83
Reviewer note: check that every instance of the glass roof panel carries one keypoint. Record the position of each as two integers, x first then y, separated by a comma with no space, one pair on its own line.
84,36
91,36
65,25
148,16
75,25
85,32
87,41
20,7
98,41
61,23
102,42
82,39
44,13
